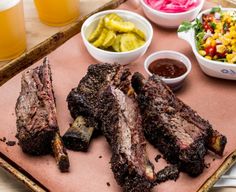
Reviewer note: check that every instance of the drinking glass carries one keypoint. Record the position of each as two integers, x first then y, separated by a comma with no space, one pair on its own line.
12,29
57,12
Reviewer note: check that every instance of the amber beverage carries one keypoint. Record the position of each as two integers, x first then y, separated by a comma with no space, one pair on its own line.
57,12
12,29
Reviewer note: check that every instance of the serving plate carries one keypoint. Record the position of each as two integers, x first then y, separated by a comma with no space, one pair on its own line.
214,99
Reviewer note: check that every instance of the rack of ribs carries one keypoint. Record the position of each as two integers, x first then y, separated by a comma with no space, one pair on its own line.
37,128
173,127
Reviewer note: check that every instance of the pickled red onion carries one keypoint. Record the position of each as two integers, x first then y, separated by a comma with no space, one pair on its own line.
172,6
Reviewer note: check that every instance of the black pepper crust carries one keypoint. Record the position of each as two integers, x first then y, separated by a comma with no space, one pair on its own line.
121,125
35,111
179,133
37,128
82,101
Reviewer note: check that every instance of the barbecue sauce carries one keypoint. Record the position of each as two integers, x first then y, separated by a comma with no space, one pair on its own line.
167,68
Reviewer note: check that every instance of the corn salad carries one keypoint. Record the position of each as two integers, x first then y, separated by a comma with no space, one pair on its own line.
216,36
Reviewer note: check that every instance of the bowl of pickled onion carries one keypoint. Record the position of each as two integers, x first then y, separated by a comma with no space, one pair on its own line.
171,13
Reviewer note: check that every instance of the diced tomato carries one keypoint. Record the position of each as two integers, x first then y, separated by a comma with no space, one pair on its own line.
210,50
208,17
207,27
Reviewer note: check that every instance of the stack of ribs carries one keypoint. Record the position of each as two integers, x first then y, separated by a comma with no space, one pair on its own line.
173,127
37,128
104,96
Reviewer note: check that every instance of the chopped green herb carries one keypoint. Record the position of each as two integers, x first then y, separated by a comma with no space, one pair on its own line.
200,35
213,25
215,9
185,26
198,26
199,40
198,45
198,22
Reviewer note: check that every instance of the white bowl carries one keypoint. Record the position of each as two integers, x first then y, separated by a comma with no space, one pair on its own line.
117,57
212,68
170,20
173,83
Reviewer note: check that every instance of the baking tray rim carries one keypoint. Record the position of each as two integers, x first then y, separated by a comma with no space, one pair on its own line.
38,52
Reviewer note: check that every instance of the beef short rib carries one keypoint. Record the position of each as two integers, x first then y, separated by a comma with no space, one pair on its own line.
37,128
122,127
173,127
82,101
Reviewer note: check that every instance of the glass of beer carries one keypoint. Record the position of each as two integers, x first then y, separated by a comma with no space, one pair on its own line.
12,29
57,12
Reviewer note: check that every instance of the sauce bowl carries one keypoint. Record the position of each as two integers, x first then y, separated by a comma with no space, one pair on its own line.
173,83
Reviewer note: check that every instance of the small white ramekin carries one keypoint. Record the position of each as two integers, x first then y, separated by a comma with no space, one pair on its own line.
173,83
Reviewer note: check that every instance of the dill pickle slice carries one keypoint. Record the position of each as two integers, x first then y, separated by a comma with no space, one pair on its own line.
116,44
113,16
140,33
140,43
128,42
110,39
101,38
105,37
118,26
97,32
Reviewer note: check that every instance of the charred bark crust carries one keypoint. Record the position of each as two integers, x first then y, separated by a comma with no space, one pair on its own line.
35,111
121,125
37,128
173,127
82,101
